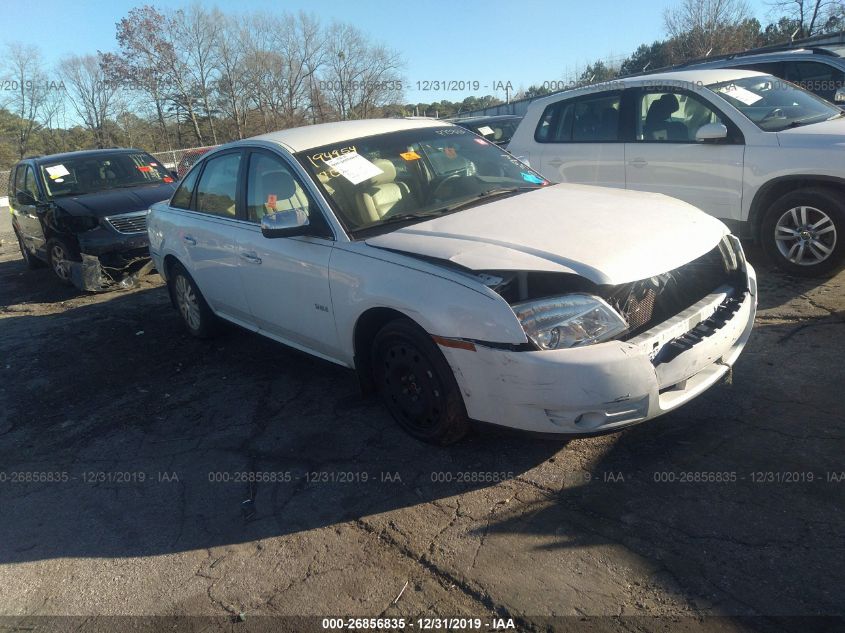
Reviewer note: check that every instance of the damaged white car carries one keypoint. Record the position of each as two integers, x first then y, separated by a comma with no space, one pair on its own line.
460,284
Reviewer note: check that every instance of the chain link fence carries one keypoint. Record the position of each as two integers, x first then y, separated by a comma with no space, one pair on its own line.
4,187
181,160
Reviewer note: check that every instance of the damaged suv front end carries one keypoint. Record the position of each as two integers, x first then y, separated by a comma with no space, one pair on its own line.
84,214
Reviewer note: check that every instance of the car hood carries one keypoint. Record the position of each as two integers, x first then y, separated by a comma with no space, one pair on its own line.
609,236
822,134
115,201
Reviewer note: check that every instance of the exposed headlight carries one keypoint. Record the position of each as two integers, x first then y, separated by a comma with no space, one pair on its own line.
569,321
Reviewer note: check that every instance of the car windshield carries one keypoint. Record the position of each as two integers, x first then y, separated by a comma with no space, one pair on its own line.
774,104
407,176
93,173
499,131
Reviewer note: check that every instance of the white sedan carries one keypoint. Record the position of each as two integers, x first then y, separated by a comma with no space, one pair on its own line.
458,283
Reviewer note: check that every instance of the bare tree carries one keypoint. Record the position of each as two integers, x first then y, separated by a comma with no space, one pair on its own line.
699,28
138,66
812,17
90,93
262,62
24,74
232,84
197,35
300,46
357,77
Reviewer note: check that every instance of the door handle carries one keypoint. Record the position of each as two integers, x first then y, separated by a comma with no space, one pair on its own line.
189,240
251,257
638,162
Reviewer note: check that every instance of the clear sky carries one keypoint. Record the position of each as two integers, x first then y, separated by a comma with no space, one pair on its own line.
519,41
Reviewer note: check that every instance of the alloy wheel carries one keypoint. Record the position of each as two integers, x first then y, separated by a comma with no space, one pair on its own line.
187,301
60,262
806,236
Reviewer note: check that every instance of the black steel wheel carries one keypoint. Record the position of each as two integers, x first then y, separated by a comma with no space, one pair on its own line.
417,385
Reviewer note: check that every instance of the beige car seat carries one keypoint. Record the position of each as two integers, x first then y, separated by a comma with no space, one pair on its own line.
381,194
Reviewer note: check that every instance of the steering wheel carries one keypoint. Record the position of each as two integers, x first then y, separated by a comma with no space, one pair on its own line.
440,184
774,113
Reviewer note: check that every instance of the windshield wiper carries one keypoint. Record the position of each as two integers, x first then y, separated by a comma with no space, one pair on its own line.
490,193
809,121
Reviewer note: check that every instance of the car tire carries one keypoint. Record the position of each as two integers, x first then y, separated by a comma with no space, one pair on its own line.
60,254
803,232
417,385
31,261
196,315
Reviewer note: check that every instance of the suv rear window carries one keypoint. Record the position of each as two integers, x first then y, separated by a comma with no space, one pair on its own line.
593,119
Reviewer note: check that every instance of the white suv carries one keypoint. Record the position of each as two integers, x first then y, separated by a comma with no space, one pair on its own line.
458,282
759,153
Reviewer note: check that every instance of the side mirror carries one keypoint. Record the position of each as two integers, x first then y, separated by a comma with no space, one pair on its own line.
711,132
839,97
285,224
25,198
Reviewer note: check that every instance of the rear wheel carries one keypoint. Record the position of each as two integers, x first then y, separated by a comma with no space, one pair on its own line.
196,315
804,232
417,385
61,255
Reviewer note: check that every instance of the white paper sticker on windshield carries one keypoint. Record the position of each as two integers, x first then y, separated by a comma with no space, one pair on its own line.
354,167
485,130
57,171
741,94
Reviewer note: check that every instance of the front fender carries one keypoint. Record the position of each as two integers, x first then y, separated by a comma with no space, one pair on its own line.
437,301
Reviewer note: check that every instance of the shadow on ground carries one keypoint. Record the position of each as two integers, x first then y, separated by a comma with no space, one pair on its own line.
130,438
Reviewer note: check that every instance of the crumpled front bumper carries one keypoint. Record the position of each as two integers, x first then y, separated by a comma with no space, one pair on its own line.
110,260
612,385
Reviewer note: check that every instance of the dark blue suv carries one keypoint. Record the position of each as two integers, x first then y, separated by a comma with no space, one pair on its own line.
85,213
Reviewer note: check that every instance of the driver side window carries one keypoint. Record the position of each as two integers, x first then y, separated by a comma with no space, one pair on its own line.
672,117
271,188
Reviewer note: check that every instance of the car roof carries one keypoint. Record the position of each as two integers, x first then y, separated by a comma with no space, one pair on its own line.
817,54
702,77
302,138
677,78
477,119
86,153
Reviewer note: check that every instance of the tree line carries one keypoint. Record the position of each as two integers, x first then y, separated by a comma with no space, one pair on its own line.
198,76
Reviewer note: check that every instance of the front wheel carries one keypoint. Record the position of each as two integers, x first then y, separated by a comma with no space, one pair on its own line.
804,232
61,255
195,312
417,385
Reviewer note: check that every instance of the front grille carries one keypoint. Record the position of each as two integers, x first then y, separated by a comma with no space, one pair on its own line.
129,223
648,302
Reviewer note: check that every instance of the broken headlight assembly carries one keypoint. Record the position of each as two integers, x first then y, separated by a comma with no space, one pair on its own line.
80,223
572,320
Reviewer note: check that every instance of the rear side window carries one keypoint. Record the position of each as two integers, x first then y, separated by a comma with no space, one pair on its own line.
19,179
596,120
593,119
29,184
182,198
216,191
